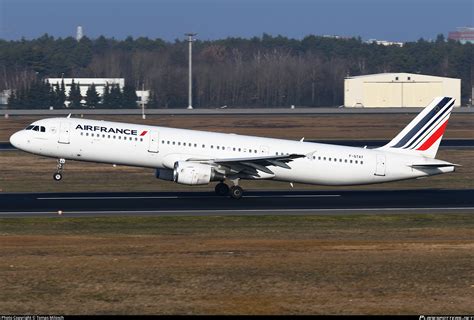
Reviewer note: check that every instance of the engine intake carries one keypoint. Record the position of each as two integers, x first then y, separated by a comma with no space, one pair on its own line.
195,173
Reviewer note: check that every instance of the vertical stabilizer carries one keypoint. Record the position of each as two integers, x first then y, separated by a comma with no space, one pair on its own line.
423,134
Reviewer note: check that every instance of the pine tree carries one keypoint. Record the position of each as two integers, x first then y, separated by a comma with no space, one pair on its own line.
92,97
52,96
75,95
116,97
129,97
152,101
106,98
12,100
60,95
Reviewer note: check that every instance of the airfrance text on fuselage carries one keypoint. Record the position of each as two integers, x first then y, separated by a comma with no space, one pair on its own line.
107,130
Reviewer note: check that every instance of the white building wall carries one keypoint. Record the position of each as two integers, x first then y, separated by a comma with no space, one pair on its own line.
398,90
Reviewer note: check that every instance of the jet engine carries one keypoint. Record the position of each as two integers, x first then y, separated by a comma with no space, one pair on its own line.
195,173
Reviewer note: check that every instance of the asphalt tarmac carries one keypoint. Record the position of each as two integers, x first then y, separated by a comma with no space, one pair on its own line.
253,203
446,143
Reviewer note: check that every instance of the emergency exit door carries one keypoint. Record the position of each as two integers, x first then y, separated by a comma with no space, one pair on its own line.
154,141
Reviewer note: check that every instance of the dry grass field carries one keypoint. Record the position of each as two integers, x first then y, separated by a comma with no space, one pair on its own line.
360,264
24,172
347,126
366,264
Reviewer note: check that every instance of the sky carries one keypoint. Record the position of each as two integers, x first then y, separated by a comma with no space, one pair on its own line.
393,20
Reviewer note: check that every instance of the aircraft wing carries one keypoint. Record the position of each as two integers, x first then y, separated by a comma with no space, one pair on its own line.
251,165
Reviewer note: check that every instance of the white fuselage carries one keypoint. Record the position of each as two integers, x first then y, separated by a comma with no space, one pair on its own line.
160,147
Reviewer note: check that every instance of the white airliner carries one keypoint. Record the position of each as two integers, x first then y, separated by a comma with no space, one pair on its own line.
196,157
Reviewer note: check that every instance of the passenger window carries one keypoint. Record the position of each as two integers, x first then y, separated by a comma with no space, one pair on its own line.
87,134
203,145
217,147
141,139
195,145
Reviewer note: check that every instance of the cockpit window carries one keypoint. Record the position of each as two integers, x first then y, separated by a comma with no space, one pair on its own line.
36,128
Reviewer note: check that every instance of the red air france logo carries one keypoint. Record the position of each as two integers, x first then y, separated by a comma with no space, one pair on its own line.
143,133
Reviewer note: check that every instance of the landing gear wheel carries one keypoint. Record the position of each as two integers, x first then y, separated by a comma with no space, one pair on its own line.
222,189
236,192
60,166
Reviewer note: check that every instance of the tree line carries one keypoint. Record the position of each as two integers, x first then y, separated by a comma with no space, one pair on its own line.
41,94
260,71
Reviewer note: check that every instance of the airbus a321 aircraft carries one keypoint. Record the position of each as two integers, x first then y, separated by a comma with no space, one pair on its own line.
196,157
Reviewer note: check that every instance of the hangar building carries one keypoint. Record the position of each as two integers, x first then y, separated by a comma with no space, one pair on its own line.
398,90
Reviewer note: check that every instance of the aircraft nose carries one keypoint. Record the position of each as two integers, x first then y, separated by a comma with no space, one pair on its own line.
15,140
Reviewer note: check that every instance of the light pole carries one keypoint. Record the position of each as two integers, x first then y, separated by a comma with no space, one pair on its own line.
190,64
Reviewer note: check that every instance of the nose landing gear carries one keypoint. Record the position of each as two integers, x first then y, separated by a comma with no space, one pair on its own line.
58,174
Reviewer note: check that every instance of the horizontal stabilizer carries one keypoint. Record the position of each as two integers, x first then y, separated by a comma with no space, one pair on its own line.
434,165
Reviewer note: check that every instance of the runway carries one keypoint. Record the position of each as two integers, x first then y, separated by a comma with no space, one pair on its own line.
253,203
374,143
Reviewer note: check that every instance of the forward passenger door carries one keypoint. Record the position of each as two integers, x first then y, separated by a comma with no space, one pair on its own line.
64,128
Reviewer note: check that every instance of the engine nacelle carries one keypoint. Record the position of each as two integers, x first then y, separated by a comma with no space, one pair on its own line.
194,173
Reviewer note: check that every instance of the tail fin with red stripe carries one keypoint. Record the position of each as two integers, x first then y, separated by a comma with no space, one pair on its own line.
424,133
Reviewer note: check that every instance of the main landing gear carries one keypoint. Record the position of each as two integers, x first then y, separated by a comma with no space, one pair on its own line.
235,191
222,189
57,176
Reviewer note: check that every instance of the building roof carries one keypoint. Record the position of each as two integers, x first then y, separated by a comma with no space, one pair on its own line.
396,74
